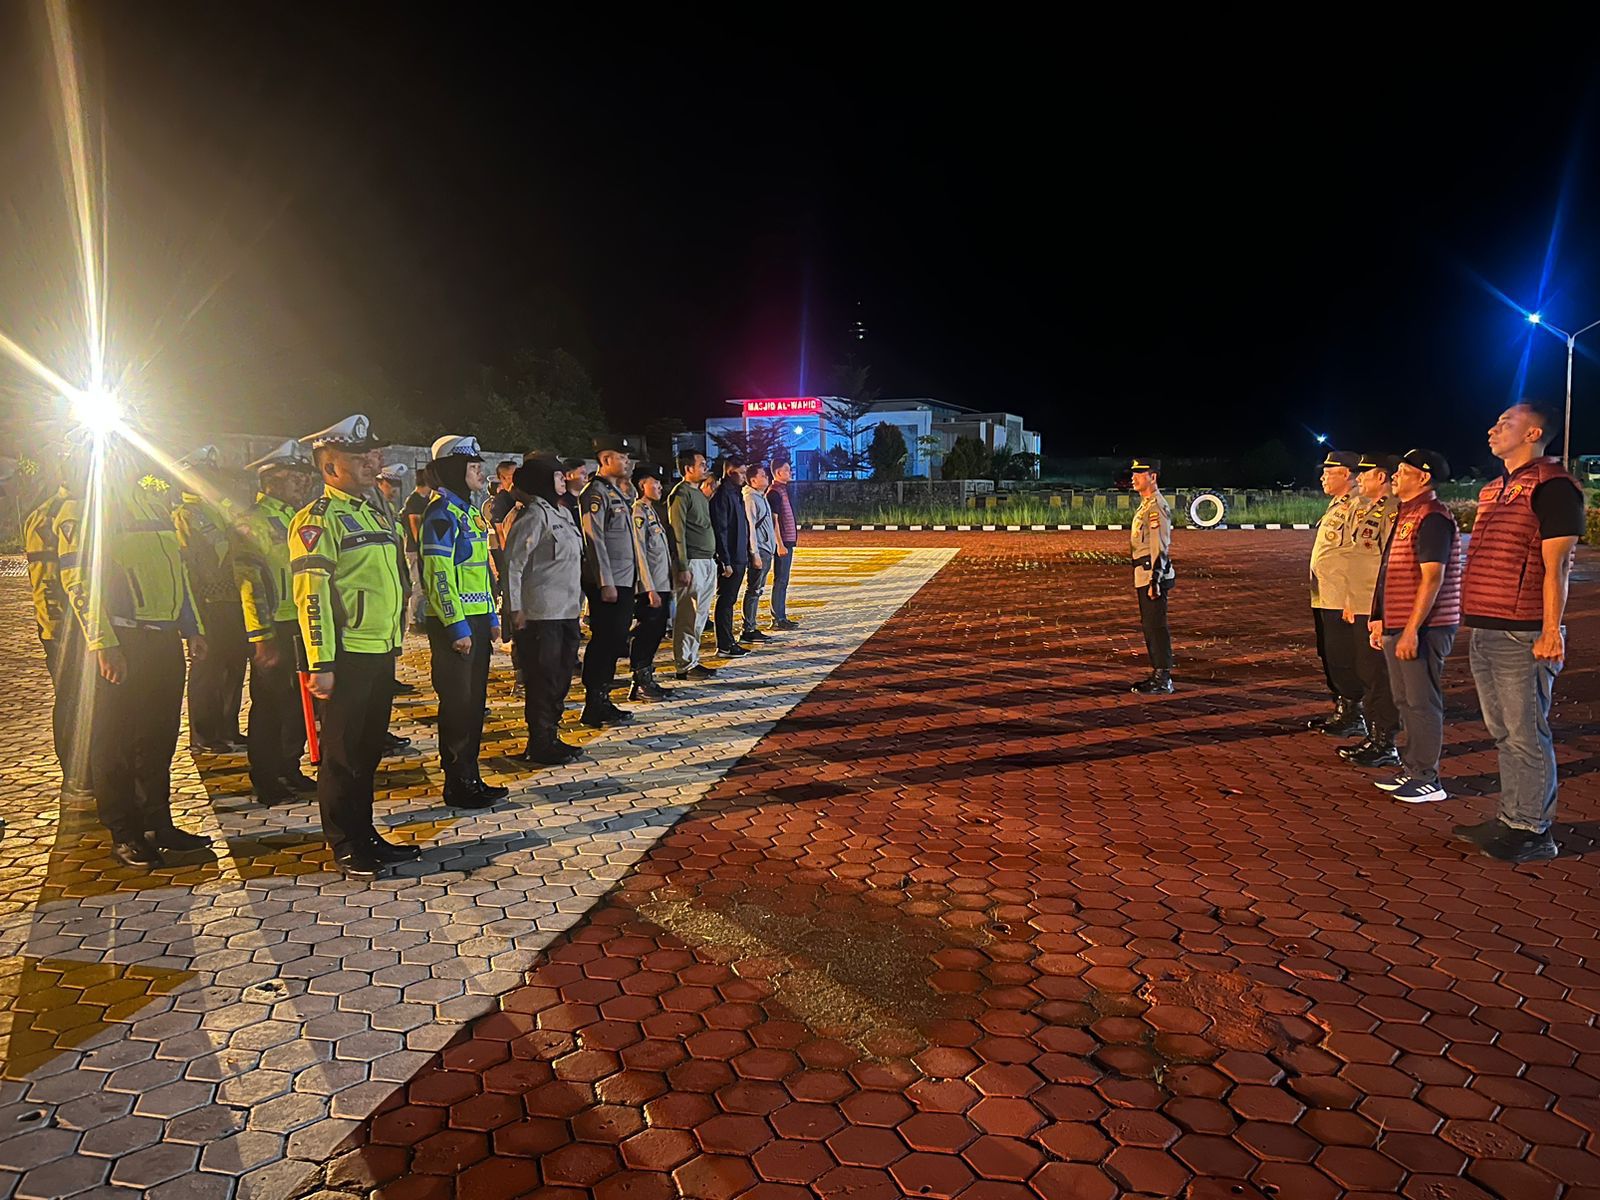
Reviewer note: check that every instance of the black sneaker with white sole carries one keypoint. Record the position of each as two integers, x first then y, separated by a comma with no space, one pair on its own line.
1419,791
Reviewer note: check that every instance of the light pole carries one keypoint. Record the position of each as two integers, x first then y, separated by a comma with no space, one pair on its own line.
1572,341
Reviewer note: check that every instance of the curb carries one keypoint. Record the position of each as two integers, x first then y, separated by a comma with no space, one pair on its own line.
850,528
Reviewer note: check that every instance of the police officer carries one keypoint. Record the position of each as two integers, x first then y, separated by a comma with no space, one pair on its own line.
1371,522
1335,639
124,574
204,520
463,619
348,599
385,498
1153,574
610,573
276,737
59,635
654,588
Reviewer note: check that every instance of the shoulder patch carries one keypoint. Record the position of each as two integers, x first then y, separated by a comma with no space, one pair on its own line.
69,529
596,504
638,519
310,535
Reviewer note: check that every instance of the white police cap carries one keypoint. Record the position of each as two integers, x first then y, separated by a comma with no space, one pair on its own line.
452,444
288,455
353,434
394,472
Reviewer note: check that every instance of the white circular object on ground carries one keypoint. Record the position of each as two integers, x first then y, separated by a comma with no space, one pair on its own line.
1207,510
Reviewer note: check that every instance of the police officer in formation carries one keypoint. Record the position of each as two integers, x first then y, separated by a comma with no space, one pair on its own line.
1153,572
610,575
349,601
1335,639
653,592
1371,522
463,618
58,629
276,738
204,521
124,576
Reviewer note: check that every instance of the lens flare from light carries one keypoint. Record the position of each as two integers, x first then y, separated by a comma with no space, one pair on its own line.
1534,319
97,410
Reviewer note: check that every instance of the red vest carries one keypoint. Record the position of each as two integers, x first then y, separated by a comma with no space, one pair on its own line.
1402,573
1505,561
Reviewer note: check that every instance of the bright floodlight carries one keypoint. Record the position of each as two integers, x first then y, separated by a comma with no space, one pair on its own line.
97,410
1322,439
1534,318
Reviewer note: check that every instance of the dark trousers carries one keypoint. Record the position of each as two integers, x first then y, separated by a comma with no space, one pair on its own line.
1157,637
216,684
1336,647
354,720
1418,688
727,601
71,673
277,736
134,734
649,627
548,651
462,684
608,640
1376,698
781,566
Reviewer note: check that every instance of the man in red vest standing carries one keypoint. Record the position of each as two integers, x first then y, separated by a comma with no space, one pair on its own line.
1415,614
1513,597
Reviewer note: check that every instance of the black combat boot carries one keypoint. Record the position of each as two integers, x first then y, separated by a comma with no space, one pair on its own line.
1347,721
1159,684
1377,751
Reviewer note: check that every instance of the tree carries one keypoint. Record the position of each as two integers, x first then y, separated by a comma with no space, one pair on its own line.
836,460
1019,464
887,452
846,412
544,400
763,442
930,448
968,458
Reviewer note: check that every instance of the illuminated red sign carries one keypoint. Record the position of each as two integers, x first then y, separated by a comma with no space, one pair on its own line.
793,406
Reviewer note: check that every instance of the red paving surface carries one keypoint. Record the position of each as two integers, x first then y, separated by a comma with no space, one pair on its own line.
974,922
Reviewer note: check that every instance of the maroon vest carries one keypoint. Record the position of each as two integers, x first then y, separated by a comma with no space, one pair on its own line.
1505,561
1402,573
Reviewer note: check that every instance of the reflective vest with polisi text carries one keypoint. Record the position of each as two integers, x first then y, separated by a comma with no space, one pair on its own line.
1402,573
1504,579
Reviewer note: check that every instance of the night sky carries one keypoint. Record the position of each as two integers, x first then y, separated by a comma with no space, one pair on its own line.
1186,251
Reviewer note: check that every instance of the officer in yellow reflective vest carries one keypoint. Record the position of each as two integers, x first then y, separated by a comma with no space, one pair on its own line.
123,574
204,520
462,621
277,734
348,599
59,635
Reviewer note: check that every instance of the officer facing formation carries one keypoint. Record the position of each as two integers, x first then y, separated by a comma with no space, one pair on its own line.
349,599
204,521
1371,521
276,738
610,572
463,619
1153,573
1330,595
128,586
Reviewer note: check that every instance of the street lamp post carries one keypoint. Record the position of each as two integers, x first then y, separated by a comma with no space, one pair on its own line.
1572,342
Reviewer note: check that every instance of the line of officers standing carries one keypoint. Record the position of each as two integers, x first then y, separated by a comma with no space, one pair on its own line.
1391,586
314,577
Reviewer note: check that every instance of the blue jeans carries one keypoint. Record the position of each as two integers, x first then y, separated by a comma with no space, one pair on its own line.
755,584
1514,690
780,584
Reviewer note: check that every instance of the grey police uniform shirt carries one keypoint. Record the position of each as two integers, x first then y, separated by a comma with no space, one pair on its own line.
1369,523
1328,562
763,533
1151,539
650,543
544,551
609,557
